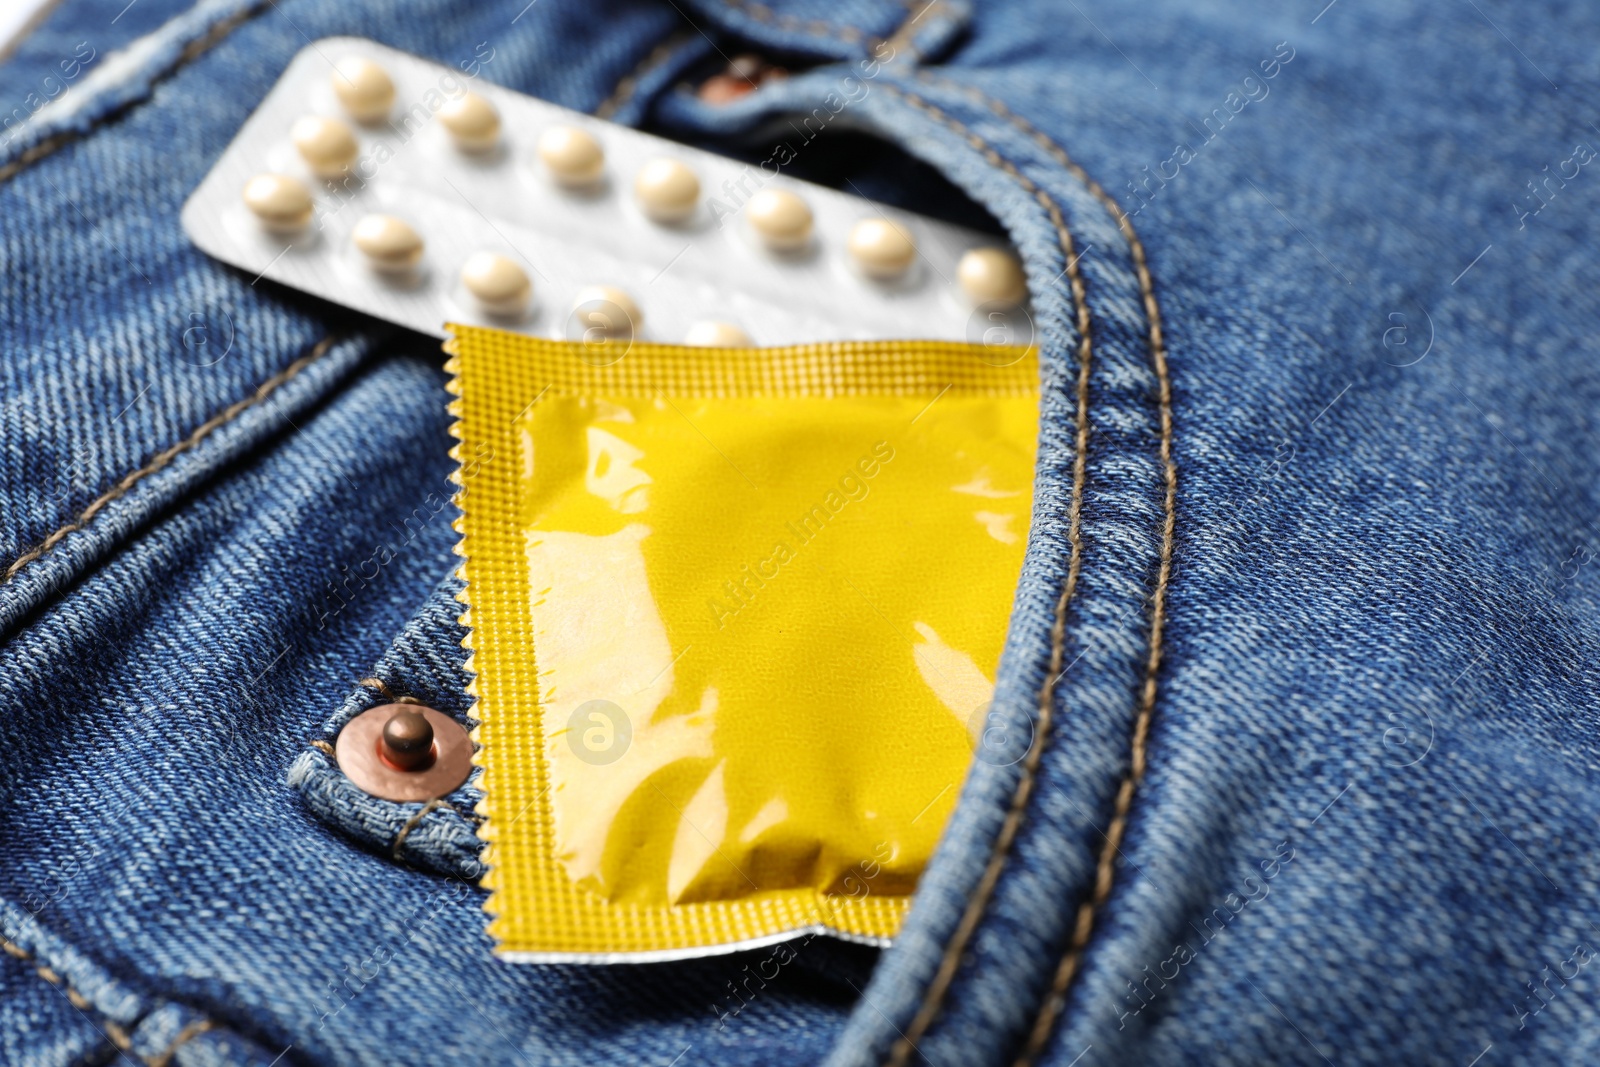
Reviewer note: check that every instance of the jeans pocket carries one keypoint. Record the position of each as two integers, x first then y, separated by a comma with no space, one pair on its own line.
1027,869
424,664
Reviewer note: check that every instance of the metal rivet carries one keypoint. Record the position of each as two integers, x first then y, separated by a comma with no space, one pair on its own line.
407,740
404,752
743,74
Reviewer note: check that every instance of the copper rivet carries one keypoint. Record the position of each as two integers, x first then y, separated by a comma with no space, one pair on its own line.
404,752
743,74
407,740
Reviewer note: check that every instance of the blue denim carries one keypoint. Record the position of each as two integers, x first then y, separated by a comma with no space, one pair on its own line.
1313,769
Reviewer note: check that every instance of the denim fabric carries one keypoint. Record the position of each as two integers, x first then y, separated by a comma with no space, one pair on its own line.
53,61
1357,824
424,664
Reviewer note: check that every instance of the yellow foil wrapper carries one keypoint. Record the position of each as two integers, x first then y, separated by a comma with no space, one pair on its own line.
734,620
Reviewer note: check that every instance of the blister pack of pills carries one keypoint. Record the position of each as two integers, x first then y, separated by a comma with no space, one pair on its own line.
417,193
723,743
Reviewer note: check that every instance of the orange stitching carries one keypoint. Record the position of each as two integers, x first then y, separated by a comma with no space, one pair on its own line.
327,750
377,684
816,27
37,152
116,1035
193,50
411,824
848,34
623,91
264,390
1105,867
194,1029
108,1029
978,903
387,693
905,34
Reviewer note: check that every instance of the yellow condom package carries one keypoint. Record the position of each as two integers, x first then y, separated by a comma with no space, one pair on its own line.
734,617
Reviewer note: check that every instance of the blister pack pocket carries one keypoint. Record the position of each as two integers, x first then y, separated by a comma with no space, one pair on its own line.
735,616
444,196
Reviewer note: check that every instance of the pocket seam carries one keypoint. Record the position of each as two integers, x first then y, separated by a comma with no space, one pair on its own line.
844,33
194,49
1105,865
1067,969
117,1036
978,903
625,88
166,456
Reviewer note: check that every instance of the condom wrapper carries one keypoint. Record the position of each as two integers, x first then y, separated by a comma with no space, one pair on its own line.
734,617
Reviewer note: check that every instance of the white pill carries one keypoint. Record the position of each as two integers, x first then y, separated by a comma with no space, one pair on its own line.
388,243
608,310
992,276
327,145
472,121
780,218
667,190
716,335
280,202
881,248
573,156
364,88
501,287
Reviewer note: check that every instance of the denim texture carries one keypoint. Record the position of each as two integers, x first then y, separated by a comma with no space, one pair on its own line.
1356,824
423,664
53,61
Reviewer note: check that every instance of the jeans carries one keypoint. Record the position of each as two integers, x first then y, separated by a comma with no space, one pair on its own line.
1299,661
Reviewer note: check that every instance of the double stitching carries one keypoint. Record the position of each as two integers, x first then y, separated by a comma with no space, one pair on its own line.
977,904
193,50
113,1033
1105,867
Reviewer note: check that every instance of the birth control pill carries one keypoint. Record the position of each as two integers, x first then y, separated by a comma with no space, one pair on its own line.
280,202
780,218
882,249
388,243
573,156
472,121
667,190
499,285
608,310
326,144
803,262
364,88
716,335
992,276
